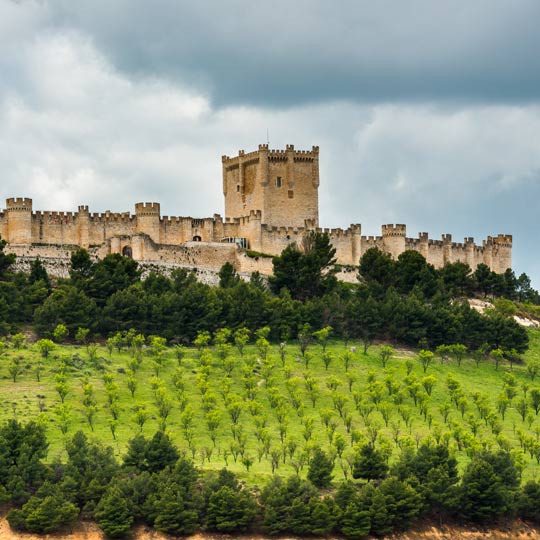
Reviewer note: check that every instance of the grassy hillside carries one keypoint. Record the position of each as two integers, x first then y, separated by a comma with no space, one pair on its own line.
271,402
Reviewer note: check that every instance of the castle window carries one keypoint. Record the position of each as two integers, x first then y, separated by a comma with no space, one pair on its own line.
278,181
126,252
197,238
238,188
291,194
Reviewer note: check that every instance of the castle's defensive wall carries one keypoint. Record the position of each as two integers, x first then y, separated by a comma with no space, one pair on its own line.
271,201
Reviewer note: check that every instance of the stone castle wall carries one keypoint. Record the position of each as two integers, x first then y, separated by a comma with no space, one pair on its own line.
271,201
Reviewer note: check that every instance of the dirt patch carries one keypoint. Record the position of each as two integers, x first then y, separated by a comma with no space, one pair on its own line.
84,530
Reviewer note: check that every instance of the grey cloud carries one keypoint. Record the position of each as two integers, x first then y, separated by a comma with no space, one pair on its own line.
425,114
287,53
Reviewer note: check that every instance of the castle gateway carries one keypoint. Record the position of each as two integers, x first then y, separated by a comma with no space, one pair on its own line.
271,200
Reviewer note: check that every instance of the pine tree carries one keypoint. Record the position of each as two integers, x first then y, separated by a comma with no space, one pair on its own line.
230,510
355,521
113,514
369,464
320,469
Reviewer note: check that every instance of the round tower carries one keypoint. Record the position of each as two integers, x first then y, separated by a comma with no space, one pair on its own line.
148,216
394,239
19,220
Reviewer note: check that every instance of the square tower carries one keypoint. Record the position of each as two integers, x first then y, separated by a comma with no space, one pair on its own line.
281,184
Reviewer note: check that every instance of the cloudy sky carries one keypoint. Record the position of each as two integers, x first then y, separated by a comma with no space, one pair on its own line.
427,113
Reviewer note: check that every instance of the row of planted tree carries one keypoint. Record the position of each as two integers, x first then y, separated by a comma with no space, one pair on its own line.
156,484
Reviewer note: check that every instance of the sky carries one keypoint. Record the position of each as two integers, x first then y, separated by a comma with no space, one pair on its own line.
426,113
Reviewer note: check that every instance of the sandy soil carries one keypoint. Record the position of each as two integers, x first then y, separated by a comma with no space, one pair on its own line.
90,531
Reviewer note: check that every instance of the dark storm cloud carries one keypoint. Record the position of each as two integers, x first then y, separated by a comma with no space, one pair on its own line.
292,52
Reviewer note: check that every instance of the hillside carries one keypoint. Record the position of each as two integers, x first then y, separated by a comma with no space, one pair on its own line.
254,414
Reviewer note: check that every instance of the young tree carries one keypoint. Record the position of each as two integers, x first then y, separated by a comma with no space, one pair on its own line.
322,336
45,346
81,336
304,337
426,359
60,333
385,353
241,339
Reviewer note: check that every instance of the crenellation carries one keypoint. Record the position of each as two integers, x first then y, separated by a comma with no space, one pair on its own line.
271,201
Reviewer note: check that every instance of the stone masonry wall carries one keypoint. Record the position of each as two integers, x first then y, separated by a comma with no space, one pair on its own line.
271,200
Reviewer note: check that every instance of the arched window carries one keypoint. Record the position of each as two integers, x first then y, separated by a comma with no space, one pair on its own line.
197,238
126,252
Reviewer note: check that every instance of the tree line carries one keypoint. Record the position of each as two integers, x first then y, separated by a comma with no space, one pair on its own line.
406,301
157,485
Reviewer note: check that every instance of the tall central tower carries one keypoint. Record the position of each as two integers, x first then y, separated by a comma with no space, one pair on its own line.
281,184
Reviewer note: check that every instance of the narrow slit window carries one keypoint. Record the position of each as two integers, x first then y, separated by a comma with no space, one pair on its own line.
278,181
238,188
291,194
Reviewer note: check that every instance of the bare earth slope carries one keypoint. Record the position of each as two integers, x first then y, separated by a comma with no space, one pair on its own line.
90,531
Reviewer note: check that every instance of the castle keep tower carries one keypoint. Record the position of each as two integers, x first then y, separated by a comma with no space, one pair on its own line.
19,220
281,184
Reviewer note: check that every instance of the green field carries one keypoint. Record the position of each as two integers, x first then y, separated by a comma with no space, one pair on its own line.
271,403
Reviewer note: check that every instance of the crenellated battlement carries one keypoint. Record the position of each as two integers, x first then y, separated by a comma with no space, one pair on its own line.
111,216
147,208
272,154
271,201
394,230
21,204
503,240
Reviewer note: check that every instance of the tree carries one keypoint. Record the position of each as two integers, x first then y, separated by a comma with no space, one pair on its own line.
322,335
385,353
377,269
230,510
527,503
403,502
488,487
6,260
68,306
45,346
60,333
369,463
320,469
355,520
241,338
160,452
457,278
426,359
228,277
113,515
412,270
47,511
38,273
306,272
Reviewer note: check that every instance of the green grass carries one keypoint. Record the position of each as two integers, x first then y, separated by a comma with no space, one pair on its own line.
22,400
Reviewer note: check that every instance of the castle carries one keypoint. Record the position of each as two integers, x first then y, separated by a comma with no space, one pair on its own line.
271,200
